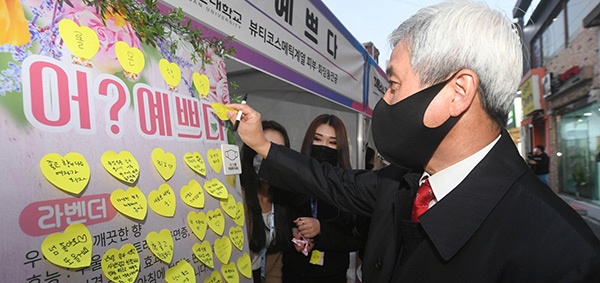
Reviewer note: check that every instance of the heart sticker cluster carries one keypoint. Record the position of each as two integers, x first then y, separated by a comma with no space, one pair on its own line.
73,248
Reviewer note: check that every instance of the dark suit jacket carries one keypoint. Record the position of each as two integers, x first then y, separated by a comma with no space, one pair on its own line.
501,224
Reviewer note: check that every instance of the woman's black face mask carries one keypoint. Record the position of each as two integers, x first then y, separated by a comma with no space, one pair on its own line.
324,154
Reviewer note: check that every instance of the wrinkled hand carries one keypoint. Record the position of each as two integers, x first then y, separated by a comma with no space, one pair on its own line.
298,236
309,227
250,128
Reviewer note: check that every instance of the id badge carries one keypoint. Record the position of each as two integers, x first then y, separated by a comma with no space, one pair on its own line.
317,257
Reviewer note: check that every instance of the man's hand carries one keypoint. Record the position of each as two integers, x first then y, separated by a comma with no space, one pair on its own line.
250,128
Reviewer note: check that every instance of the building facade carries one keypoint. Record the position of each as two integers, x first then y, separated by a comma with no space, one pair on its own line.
561,91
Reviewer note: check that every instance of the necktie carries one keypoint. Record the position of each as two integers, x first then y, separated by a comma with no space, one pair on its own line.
422,200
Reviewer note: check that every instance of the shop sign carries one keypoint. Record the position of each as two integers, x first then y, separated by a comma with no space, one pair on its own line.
530,95
572,77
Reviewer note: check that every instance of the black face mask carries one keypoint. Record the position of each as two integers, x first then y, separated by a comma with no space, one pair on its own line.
399,133
324,154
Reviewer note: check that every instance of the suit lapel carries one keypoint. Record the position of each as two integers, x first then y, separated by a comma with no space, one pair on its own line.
452,221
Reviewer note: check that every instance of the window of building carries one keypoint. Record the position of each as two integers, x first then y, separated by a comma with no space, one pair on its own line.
576,11
536,50
578,152
553,37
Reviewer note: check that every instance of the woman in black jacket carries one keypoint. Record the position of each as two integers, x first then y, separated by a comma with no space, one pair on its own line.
323,234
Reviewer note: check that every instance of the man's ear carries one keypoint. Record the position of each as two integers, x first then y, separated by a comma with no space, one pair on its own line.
465,85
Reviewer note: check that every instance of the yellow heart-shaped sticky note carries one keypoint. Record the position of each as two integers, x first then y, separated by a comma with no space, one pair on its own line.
201,83
82,41
203,252
164,162
230,273
231,180
216,221
195,162
71,249
161,244
70,173
229,206
131,203
223,249
239,218
131,59
122,166
162,201
236,234
221,110
183,272
215,159
216,189
192,194
244,265
170,72
121,265
198,224
214,277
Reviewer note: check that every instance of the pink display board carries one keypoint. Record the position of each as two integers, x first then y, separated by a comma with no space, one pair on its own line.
112,159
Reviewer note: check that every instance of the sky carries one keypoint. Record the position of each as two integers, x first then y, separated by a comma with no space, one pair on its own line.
374,20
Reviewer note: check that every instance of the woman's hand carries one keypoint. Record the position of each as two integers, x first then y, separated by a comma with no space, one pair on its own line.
309,227
301,243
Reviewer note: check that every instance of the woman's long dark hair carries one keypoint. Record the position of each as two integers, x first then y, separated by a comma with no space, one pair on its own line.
343,148
250,182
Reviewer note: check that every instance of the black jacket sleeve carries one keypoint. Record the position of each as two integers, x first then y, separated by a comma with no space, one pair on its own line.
354,191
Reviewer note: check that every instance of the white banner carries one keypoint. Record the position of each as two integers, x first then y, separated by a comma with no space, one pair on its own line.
295,34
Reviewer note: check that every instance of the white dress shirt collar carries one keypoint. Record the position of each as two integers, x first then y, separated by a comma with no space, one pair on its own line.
444,181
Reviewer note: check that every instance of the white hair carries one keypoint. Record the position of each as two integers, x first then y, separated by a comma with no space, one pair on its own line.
462,34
